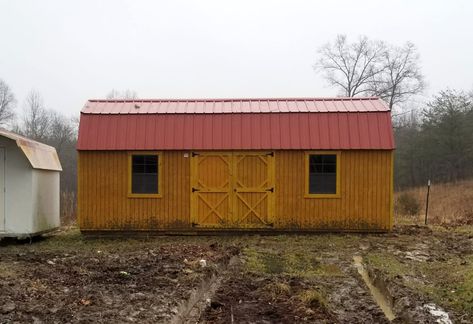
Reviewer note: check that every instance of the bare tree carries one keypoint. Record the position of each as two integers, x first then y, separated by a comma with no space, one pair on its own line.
401,77
7,103
372,68
36,119
62,131
119,94
351,67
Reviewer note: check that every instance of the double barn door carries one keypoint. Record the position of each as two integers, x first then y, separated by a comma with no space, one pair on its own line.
232,189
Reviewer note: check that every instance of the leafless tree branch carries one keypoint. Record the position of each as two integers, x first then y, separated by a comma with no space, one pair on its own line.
7,103
371,68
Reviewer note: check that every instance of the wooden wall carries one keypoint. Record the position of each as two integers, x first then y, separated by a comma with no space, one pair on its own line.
365,201
103,201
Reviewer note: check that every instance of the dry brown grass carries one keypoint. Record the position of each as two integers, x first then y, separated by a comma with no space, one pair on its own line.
68,208
449,204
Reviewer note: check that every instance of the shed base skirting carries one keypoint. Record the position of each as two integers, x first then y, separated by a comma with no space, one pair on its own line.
26,235
221,232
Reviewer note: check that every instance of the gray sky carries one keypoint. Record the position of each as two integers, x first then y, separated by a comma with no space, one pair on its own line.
71,51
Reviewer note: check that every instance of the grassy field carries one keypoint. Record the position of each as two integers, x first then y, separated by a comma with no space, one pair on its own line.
449,204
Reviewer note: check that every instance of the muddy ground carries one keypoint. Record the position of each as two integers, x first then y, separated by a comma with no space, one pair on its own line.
245,279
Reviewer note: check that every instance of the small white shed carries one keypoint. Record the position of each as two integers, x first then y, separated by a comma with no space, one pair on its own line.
29,186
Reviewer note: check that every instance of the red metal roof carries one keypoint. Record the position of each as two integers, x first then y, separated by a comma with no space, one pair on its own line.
222,106
109,128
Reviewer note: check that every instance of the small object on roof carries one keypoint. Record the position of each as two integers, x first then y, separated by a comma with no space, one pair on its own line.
137,106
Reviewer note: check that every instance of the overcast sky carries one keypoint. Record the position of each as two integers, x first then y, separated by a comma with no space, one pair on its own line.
71,51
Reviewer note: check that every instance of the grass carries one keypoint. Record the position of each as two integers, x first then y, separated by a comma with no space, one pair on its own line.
388,264
313,298
447,283
450,284
277,289
288,262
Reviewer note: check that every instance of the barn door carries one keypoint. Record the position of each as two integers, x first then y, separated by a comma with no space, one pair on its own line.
211,189
232,190
253,189
2,189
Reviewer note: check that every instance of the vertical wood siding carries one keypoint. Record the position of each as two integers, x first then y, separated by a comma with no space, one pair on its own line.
103,203
365,201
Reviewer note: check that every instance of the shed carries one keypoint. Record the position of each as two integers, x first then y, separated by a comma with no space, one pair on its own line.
205,165
29,186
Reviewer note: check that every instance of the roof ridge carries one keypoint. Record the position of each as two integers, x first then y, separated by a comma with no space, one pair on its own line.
237,99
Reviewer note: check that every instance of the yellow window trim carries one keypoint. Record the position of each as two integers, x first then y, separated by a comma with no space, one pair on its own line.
306,182
133,195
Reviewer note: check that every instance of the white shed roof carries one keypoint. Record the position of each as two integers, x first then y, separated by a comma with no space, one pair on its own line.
40,156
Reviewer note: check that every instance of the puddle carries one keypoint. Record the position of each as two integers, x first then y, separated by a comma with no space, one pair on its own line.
378,296
440,315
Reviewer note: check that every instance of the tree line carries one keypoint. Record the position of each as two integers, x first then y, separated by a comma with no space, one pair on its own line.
435,142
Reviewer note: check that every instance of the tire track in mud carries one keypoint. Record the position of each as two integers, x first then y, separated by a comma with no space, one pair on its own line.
380,295
190,310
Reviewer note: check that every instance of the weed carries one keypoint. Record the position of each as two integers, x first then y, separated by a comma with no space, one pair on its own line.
407,204
313,298
276,289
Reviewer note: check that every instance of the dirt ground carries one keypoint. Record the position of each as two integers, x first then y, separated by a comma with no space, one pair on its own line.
423,272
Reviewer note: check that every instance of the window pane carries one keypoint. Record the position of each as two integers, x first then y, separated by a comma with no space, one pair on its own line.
151,168
144,183
323,174
138,159
329,159
330,168
144,177
138,168
151,159
316,159
323,184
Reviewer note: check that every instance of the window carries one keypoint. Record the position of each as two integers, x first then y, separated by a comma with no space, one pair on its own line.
323,173
144,175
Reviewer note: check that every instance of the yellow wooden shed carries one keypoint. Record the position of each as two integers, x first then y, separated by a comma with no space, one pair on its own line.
207,165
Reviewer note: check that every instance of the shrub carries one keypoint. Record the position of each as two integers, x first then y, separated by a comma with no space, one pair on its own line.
407,204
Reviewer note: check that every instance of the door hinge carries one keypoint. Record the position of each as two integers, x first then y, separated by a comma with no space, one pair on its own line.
270,154
194,224
270,189
195,154
195,189
270,224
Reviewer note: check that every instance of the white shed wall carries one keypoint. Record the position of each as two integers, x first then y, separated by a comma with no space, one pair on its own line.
18,189
45,200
